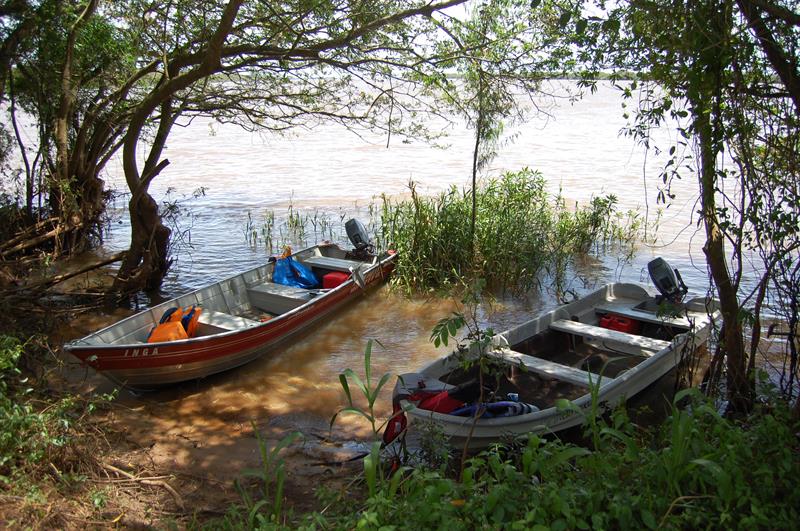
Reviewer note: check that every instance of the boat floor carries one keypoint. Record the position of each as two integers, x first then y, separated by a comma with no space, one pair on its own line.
538,389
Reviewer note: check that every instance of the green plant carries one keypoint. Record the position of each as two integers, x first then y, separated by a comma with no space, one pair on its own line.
99,498
700,470
37,432
522,235
367,391
272,475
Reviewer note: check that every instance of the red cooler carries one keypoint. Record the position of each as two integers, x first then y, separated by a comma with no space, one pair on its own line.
620,323
333,279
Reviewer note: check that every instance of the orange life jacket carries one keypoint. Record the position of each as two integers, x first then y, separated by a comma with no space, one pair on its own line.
176,323
169,331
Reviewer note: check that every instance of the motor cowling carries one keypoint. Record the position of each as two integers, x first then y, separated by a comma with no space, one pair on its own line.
667,280
357,234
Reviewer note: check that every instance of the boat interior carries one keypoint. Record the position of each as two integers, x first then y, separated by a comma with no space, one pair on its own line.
243,301
568,353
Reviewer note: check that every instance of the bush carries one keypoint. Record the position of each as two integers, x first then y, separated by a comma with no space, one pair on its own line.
521,234
699,470
35,432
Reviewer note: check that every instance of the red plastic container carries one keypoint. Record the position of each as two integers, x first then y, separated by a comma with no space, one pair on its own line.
620,323
441,403
333,279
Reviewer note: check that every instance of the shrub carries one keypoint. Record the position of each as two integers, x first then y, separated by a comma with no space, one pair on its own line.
699,470
35,432
521,234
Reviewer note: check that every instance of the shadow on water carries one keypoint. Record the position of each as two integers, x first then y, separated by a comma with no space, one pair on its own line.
205,425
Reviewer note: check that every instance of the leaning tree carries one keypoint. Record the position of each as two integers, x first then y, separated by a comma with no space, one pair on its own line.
275,66
726,71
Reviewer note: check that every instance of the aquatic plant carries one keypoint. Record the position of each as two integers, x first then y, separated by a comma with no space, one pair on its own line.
300,228
522,234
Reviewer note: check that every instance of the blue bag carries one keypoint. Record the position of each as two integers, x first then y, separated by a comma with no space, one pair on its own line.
292,273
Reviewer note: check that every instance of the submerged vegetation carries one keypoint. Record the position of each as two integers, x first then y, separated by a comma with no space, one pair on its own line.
522,234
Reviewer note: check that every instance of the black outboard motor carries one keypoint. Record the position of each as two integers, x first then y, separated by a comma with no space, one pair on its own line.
359,238
668,281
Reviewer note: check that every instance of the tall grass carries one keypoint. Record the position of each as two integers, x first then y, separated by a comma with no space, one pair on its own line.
522,234
302,227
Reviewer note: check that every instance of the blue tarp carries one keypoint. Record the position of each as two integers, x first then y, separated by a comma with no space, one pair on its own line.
292,273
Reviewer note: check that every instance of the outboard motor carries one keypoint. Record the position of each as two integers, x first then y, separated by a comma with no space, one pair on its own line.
668,281
358,237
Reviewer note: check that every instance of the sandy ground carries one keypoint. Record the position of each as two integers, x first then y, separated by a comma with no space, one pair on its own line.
161,461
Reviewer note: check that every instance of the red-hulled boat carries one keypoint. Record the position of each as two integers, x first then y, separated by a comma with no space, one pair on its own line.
240,319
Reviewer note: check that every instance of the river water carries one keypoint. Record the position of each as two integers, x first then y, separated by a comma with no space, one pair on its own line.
335,174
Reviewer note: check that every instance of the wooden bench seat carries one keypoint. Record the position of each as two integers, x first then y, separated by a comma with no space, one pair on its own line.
598,332
224,321
333,264
550,369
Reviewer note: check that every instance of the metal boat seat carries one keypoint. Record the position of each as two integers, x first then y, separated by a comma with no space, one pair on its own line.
551,369
277,298
333,264
598,332
223,321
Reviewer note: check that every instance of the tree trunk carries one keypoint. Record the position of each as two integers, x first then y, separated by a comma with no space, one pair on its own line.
739,392
146,262
783,65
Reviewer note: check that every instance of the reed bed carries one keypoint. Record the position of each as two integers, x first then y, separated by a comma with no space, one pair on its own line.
300,228
523,235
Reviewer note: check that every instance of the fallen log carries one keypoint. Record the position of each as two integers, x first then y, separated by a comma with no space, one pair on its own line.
28,232
61,229
46,283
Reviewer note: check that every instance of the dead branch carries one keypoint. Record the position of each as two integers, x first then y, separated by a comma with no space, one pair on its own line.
61,229
28,232
61,278
151,482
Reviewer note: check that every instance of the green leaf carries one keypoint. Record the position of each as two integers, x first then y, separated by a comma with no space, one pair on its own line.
396,478
371,464
350,374
346,387
368,360
564,19
381,383
648,519
567,455
356,411
562,404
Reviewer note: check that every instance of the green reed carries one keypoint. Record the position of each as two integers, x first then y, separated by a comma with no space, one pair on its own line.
295,227
522,234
